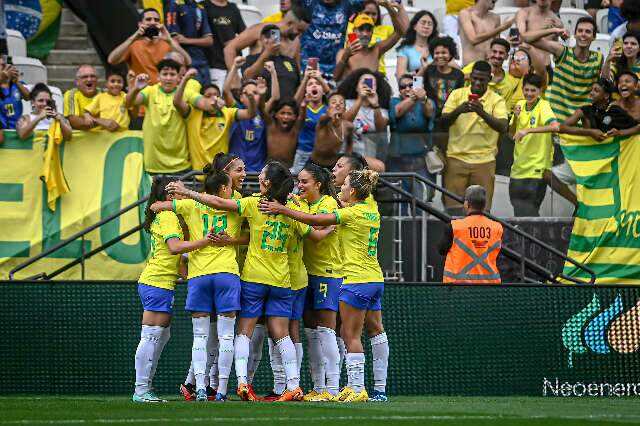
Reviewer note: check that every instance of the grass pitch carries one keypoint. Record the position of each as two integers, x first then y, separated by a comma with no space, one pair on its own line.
96,410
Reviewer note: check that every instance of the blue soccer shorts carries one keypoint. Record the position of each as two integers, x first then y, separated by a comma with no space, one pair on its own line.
366,296
218,293
156,299
257,300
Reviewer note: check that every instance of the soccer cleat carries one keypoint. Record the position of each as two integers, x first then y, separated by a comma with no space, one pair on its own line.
358,397
322,397
188,391
245,393
220,397
291,395
272,396
146,397
211,393
201,395
310,395
252,394
378,396
345,392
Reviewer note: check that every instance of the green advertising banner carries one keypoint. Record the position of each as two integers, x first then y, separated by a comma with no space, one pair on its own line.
553,341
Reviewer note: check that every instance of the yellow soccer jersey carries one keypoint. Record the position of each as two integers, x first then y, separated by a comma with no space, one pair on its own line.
75,102
299,278
267,260
164,133
533,154
162,267
199,219
359,230
323,258
107,106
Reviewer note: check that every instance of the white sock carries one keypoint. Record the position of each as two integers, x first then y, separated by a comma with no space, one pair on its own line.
288,354
212,356
331,354
149,337
279,378
315,359
201,327
164,338
191,379
380,351
355,371
226,331
343,352
241,355
299,356
255,351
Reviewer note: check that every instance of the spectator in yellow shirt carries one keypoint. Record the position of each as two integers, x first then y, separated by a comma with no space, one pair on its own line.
285,5
475,117
77,99
108,110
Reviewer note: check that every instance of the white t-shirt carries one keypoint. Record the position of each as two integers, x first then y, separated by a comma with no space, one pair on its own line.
42,124
367,139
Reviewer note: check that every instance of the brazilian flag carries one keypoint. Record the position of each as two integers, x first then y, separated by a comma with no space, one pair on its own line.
38,21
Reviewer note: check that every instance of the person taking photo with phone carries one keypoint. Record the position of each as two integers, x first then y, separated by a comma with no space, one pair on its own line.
145,48
43,116
286,67
475,118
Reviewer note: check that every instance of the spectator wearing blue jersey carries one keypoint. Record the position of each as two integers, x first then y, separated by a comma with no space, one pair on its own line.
188,24
411,117
310,96
12,93
326,34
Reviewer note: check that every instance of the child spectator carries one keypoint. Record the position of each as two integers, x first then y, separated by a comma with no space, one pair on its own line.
209,122
164,131
108,109
12,93
440,78
332,133
283,128
532,126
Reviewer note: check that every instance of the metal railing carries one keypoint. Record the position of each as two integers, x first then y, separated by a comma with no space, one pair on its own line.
397,257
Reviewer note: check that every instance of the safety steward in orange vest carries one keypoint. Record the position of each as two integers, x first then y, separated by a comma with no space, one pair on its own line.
472,244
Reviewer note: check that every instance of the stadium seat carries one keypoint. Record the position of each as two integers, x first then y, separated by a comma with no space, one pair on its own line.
506,12
602,43
570,16
266,7
602,21
31,70
391,66
386,19
58,97
429,5
504,3
250,14
16,43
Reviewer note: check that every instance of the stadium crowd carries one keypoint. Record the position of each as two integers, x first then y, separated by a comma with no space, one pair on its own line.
307,91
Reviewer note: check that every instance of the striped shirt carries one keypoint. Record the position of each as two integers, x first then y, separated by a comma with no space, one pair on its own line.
572,82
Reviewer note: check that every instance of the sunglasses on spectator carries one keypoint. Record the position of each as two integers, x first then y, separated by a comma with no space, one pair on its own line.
405,85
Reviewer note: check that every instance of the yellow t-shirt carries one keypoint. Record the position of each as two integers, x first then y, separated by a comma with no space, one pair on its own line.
470,138
200,218
161,269
299,278
323,258
75,102
380,32
267,260
164,133
273,19
510,87
110,107
359,230
533,154
455,6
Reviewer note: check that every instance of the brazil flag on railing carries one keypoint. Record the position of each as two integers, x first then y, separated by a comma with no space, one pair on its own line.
606,232
38,21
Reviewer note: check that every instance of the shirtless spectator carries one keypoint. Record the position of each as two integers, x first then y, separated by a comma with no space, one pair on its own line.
332,132
478,26
295,22
358,54
538,17
624,113
147,46
283,126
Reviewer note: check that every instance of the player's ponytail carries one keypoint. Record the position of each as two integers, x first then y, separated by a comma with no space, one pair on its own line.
363,182
158,193
214,181
220,163
323,175
280,182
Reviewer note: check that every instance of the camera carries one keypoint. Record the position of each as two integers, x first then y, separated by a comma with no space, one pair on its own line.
151,32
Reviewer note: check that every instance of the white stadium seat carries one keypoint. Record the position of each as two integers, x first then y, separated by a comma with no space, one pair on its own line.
266,7
602,43
429,5
602,21
505,12
569,17
31,70
390,67
250,14
16,43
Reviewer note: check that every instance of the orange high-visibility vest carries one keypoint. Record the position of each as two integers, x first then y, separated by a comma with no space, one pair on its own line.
472,257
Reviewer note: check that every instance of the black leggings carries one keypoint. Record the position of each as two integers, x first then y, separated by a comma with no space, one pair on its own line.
526,196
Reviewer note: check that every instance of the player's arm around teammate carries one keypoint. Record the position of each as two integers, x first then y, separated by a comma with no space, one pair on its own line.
156,287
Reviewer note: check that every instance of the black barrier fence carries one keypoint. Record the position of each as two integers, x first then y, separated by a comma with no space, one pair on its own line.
80,338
